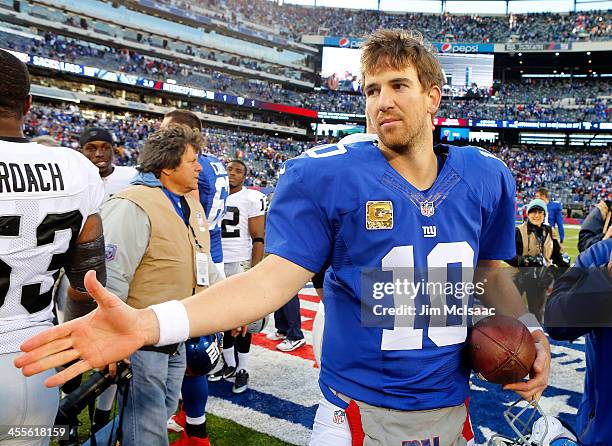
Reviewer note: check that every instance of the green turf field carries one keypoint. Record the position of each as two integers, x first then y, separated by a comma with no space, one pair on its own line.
222,433
571,241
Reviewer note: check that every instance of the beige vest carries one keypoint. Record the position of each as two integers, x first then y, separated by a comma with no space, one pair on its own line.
531,246
167,269
605,215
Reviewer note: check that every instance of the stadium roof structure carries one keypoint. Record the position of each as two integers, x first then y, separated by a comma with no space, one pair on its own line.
482,7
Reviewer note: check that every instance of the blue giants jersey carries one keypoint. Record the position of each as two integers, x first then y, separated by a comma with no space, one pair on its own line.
595,412
213,186
345,204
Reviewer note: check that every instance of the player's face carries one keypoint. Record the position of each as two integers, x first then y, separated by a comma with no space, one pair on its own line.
100,153
536,217
236,174
398,108
185,176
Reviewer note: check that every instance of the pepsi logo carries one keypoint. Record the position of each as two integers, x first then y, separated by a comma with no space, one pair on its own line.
344,42
446,47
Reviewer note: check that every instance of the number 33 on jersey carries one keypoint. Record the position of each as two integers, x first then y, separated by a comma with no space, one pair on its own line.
344,204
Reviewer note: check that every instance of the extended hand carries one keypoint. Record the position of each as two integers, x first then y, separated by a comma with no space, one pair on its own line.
538,381
108,334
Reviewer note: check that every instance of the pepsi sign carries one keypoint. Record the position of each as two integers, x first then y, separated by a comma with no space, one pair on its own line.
464,48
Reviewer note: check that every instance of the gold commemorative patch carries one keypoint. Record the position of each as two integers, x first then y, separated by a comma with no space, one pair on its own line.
379,215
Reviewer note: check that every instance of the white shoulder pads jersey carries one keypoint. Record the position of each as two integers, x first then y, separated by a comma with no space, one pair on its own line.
235,236
46,195
118,180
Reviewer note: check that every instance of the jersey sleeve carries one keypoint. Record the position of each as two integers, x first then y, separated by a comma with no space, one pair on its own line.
298,227
498,229
258,204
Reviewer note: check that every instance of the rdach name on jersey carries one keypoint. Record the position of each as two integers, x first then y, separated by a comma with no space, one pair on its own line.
30,178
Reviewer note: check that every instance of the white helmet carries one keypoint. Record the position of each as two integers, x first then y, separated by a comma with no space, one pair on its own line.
258,325
545,431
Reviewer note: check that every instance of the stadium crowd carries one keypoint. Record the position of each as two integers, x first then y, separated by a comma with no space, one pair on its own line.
584,175
520,100
577,178
262,153
293,21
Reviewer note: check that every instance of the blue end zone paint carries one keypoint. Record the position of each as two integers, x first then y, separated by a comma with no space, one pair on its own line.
265,403
567,344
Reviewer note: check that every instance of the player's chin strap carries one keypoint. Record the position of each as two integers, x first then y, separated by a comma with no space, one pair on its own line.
83,257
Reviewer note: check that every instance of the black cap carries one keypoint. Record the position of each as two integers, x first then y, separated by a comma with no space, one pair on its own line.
95,134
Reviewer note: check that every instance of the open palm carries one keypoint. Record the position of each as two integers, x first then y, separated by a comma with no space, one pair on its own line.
108,334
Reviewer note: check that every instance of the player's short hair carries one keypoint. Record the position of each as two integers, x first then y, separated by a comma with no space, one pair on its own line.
185,117
164,148
543,192
14,85
236,160
398,48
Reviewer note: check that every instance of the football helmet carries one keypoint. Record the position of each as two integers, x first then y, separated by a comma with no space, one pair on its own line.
544,431
258,326
202,355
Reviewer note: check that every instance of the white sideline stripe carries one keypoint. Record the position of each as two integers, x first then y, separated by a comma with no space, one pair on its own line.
313,306
308,291
287,377
281,429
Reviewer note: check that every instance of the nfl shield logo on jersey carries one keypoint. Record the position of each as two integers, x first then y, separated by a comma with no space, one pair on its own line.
379,215
339,416
427,208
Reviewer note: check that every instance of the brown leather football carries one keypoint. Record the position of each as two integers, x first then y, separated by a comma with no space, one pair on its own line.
501,349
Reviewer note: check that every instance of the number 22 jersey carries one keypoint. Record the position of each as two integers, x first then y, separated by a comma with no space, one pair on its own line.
344,204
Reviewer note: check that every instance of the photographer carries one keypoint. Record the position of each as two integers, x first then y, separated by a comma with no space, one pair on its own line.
536,250
157,242
597,225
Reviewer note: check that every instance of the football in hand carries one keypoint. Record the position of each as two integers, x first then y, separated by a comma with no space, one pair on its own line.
501,349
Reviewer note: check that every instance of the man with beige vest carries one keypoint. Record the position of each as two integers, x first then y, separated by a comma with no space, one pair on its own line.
537,248
157,245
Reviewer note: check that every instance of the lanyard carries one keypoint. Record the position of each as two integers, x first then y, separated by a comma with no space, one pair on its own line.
182,209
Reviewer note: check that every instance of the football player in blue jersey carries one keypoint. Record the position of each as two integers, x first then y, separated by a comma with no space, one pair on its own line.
390,207
213,188
554,213
580,305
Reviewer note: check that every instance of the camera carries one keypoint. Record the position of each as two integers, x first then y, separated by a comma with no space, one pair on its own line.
72,405
535,260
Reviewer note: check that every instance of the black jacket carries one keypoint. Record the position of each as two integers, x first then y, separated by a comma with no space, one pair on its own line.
591,230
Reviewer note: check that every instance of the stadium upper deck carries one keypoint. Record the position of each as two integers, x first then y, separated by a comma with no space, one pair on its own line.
293,21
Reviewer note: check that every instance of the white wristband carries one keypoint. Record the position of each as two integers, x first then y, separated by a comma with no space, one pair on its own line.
173,322
531,322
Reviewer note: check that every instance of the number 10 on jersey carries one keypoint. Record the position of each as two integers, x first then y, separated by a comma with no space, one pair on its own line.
445,262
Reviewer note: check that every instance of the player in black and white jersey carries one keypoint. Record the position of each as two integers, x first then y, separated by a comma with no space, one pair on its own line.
242,236
49,203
